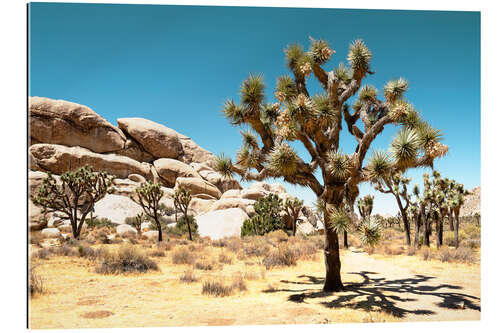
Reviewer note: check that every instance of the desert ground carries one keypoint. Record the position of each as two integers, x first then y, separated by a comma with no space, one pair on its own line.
382,284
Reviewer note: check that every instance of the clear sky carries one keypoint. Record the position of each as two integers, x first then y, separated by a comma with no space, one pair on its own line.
176,65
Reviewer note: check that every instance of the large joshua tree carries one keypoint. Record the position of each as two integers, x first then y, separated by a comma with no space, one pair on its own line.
148,196
315,121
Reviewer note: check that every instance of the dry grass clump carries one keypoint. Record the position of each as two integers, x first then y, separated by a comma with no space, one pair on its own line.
182,256
91,253
127,259
472,230
474,243
165,245
63,251
304,249
282,256
43,253
35,283
411,251
36,238
189,277
234,244
256,246
225,259
205,264
278,236
217,287
449,237
462,254
157,253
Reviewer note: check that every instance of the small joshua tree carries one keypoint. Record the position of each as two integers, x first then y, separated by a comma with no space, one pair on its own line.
365,206
316,122
396,184
182,199
75,196
292,209
136,222
148,196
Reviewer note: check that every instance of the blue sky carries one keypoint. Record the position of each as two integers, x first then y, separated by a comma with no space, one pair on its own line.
176,65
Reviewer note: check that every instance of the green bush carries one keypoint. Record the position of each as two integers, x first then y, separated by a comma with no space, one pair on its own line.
181,227
267,217
99,223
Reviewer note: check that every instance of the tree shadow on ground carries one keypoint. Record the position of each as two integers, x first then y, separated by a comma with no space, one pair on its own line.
380,294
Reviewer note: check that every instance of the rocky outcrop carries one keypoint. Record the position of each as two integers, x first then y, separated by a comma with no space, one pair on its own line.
169,169
221,223
197,186
192,152
472,203
158,140
116,208
125,230
58,159
70,124
244,204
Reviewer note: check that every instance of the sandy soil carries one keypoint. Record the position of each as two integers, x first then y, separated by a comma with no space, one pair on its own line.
396,288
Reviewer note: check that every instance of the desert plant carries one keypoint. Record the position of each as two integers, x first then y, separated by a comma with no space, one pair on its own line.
73,195
370,232
315,122
35,283
292,208
216,288
189,277
128,259
182,256
182,198
148,196
136,222
365,206
267,217
282,256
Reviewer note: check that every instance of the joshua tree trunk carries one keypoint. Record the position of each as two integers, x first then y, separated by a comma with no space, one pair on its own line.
158,226
404,217
294,227
439,231
426,230
333,281
188,224
346,244
456,213
416,241
450,220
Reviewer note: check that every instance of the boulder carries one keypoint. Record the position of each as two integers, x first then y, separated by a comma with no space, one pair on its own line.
194,153
261,186
200,206
51,233
231,194
116,208
223,184
244,204
221,223
70,124
124,187
35,180
37,220
169,169
136,178
307,214
125,230
146,226
198,167
198,186
277,188
304,227
58,159
253,194
134,150
156,139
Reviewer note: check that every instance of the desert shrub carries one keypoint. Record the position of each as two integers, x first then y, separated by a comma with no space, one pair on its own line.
204,264
278,236
216,288
318,241
41,254
411,251
35,284
225,259
256,246
472,243
181,227
189,276
99,222
157,253
220,242
390,249
461,254
449,237
239,282
427,254
127,259
165,245
472,230
234,244
183,256
64,251
305,249
282,256
36,238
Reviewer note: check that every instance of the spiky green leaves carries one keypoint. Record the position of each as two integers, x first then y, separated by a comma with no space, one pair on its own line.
252,92
359,57
343,73
293,54
379,166
399,109
285,88
283,160
320,51
224,166
338,164
371,232
394,90
338,221
233,112
182,198
405,147
368,93
249,139
248,158
323,111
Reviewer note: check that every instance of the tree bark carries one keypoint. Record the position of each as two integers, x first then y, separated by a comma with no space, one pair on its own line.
439,232
188,225
346,244
426,231
333,281
158,226
404,217
450,220
456,229
416,241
